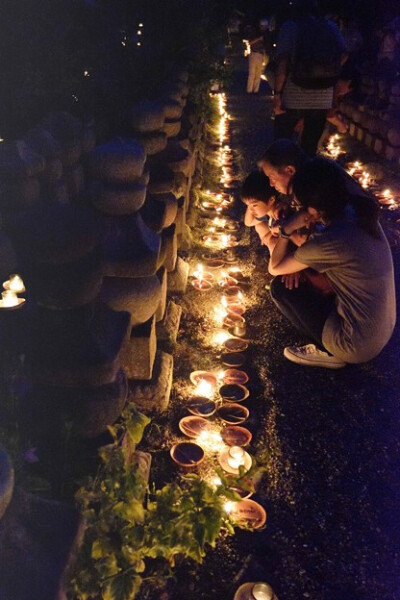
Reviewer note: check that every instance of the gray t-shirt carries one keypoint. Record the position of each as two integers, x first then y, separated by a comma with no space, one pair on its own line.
360,270
294,96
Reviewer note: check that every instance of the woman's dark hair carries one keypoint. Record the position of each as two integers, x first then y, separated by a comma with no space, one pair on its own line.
283,153
322,184
256,186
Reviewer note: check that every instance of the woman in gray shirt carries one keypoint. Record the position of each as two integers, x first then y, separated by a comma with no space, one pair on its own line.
354,324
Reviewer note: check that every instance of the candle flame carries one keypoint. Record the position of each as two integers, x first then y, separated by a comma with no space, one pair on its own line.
220,337
220,314
228,506
210,440
225,239
204,388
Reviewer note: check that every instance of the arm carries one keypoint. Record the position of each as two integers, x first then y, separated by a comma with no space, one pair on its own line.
280,79
282,261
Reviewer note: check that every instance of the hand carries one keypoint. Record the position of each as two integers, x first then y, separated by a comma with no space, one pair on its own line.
292,280
299,220
298,239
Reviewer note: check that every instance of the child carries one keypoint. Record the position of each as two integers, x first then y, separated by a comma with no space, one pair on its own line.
263,211
267,215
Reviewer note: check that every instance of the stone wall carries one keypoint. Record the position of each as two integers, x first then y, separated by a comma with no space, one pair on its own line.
374,118
94,231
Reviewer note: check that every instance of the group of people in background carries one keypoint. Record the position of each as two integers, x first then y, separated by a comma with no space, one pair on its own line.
281,47
331,262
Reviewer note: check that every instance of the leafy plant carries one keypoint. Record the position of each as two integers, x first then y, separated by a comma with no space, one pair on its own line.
127,526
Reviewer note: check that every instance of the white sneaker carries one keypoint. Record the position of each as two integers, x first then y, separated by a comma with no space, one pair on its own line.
312,356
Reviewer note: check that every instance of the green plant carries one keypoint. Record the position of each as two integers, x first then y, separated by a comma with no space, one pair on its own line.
127,527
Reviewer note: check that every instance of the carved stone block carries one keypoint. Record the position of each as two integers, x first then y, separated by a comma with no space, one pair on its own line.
178,278
130,248
139,296
159,211
119,161
162,277
77,347
154,395
167,329
139,351
169,245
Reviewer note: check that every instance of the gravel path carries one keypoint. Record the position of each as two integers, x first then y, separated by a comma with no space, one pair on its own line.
332,439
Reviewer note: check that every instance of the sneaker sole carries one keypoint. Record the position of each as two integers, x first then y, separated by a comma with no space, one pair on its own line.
311,363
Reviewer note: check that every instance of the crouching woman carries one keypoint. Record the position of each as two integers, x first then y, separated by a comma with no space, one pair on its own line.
356,322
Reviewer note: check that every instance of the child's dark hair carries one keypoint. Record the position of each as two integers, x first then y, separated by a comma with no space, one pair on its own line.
322,184
256,186
283,153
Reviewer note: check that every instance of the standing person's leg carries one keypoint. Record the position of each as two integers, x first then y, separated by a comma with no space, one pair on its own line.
284,124
258,72
252,72
306,308
314,123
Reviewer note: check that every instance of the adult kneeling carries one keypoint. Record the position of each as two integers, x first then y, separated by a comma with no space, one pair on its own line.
354,324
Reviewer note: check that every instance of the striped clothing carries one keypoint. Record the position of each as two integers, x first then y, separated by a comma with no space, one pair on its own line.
295,97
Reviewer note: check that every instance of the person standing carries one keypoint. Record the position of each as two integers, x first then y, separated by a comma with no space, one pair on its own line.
309,53
255,40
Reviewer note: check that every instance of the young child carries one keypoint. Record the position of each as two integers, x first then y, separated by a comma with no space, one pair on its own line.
264,211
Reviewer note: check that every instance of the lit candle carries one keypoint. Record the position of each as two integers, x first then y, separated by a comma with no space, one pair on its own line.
9,298
235,457
262,591
220,337
204,388
220,314
15,284
210,440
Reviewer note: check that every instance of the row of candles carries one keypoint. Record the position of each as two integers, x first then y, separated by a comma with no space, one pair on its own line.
360,173
220,272
228,314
